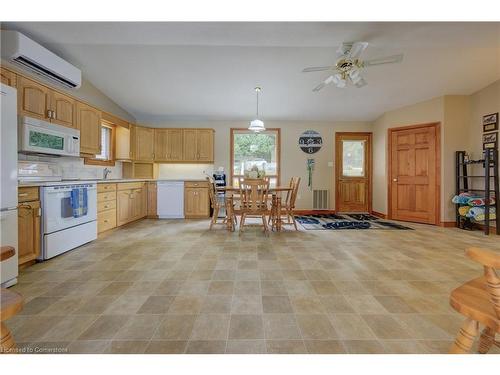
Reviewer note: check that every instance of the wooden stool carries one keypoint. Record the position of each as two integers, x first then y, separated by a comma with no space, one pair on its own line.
10,304
479,301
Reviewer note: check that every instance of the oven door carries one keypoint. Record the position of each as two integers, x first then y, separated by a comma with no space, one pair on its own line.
56,207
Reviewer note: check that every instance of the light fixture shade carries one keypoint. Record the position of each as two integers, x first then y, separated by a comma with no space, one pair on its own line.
257,126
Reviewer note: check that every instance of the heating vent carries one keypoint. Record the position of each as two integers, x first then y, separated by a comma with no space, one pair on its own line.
320,199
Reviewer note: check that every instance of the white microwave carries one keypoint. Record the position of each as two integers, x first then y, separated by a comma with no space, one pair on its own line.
42,137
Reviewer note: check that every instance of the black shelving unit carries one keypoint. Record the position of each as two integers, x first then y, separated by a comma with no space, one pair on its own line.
491,188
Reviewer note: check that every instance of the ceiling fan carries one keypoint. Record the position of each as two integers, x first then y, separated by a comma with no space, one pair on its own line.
349,66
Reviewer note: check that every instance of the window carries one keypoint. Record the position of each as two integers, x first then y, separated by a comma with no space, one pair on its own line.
249,149
106,157
105,144
353,158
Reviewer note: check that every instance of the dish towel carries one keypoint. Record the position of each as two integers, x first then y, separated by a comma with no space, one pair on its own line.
79,202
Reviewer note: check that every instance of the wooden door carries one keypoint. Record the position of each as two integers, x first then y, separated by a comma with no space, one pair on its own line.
33,99
414,180
161,144
190,142
63,108
353,172
144,143
8,78
28,216
205,145
123,207
88,120
174,145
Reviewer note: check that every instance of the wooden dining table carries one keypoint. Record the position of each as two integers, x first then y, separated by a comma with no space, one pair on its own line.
275,202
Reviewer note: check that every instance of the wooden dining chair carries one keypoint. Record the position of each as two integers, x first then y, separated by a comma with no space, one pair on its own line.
479,301
217,205
254,199
286,215
10,304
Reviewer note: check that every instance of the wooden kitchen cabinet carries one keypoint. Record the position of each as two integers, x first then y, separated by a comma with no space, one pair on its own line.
33,99
63,110
198,145
123,150
28,221
131,202
152,200
168,145
88,120
196,199
143,143
8,78
106,207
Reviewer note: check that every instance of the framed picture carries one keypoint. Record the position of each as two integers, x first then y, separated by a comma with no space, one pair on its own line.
490,122
490,145
490,137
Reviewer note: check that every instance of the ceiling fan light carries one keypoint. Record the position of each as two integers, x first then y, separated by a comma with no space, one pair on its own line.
339,81
257,126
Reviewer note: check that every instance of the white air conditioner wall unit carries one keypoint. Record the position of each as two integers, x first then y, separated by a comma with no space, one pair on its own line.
21,50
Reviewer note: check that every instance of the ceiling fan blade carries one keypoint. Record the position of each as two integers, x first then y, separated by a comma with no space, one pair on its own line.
360,83
316,69
357,49
384,60
323,84
356,78
339,81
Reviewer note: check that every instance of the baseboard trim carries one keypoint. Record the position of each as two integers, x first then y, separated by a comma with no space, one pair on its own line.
379,214
312,212
448,224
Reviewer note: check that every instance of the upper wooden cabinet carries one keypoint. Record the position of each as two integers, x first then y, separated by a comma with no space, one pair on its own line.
88,120
123,150
38,101
63,110
199,145
168,145
8,78
33,99
142,143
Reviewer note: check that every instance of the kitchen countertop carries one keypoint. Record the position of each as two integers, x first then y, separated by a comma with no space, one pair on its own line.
108,181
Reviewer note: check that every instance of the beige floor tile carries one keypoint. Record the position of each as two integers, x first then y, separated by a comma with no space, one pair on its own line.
68,328
247,287
221,288
246,327
216,304
156,305
365,304
403,346
186,305
33,328
364,347
139,327
286,347
168,288
316,327
125,304
128,346
246,304
273,288
307,305
419,327
115,288
223,275
325,347
336,304
395,304
105,327
89,347
206,347
37,305
281,327
246,347
276,304
299,288
324,287
386,327
194,287
95,305
211,327
351,327
166,347
175,327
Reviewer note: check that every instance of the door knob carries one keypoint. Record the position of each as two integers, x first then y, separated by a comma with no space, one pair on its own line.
395,179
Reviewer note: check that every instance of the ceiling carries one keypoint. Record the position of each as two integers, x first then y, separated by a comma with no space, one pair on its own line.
207,71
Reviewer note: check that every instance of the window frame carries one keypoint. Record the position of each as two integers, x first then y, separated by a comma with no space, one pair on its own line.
278,152
105,162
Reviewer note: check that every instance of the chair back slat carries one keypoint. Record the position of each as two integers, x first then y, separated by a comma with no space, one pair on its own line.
254,194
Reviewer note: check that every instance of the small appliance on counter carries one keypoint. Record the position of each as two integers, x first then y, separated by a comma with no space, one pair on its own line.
8,184
69,217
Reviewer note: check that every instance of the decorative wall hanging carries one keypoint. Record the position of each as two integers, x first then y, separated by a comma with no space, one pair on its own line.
490,140
310,141
490,122
310,168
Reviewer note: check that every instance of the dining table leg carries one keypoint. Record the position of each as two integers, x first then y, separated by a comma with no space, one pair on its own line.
230,213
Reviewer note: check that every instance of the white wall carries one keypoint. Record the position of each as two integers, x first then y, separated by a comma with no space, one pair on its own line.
293,160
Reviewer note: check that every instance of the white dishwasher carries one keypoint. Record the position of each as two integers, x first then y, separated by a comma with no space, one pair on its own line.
170,199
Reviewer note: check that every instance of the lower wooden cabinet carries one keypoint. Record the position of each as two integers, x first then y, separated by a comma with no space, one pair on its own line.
152,199
196,200
29,235
131,202
106,207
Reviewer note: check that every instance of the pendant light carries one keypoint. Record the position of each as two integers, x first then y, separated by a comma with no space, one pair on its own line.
257,125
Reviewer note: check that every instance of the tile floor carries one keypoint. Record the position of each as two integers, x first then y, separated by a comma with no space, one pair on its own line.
175,287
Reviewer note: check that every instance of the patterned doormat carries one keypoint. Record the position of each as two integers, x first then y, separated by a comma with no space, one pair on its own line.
346,221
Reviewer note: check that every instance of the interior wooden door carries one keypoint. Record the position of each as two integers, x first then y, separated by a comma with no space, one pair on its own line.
353,172
414,174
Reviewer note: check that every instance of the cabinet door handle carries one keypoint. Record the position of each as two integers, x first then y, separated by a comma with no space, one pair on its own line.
54,115
49,113
22,195
105,221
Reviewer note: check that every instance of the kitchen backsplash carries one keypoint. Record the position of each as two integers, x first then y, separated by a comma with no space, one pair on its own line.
74,167
185,171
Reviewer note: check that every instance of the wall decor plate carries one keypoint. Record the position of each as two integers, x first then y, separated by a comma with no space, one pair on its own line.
490,122
310,141
490,137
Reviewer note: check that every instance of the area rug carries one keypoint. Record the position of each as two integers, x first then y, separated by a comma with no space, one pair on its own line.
346,221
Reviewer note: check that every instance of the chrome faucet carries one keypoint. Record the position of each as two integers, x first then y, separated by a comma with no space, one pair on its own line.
106,172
